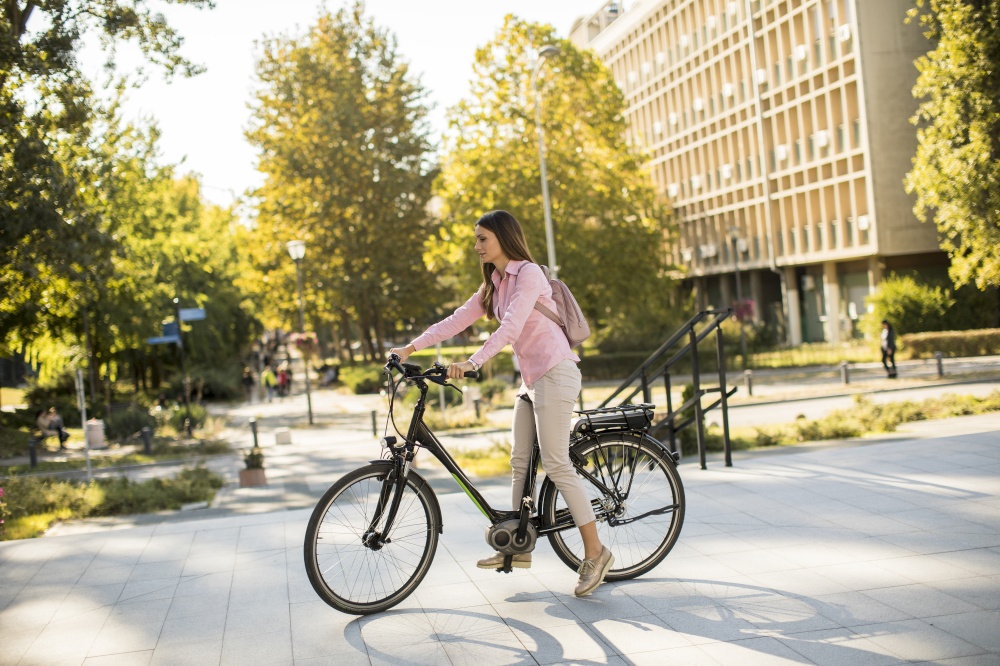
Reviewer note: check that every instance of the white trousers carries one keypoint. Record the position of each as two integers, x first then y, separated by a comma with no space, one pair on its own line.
549,415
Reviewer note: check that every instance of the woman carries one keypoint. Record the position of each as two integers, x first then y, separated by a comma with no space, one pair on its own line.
512,284
888,349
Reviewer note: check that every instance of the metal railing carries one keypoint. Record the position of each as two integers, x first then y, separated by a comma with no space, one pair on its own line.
655,367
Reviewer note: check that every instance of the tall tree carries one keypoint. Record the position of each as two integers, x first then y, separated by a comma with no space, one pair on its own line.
340,127
46,108
956,170
609,226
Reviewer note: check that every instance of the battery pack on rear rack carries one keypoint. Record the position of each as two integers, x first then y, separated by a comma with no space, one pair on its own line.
625,418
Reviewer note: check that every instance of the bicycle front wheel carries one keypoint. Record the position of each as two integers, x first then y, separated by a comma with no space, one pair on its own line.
639,520
353,572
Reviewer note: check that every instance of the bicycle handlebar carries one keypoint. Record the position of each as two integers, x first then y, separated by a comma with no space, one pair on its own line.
436,373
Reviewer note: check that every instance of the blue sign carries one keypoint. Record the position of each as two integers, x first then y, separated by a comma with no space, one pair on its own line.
170,329
163,340
192,314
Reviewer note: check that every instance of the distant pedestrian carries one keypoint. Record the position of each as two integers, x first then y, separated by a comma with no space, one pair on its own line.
56,426
269,381
248,384
42,423
283,380
889,349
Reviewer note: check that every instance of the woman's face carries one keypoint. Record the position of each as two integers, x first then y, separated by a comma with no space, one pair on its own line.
488,247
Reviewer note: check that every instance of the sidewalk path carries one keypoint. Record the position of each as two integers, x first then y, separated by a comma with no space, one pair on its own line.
886,552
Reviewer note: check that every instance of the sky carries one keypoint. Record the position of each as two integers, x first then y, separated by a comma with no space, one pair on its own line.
202,119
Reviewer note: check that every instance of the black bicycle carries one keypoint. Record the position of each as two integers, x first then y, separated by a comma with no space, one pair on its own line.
372,536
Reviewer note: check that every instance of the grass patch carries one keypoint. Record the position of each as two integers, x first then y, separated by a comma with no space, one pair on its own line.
12,396
162,449
29,505
494,461
816,354
864,418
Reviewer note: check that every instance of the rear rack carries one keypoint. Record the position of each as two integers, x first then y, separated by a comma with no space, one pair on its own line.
634,418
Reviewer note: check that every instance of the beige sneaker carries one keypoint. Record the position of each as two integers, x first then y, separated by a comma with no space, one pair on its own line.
522,561
592,572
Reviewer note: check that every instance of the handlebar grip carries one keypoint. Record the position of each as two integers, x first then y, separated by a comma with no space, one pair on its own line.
472,374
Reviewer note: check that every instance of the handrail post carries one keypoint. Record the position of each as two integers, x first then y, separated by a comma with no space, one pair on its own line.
672,442
698,414
720,351
646,393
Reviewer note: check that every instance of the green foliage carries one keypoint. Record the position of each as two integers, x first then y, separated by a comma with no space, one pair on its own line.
495,391
908,305
956,170
604,209
33,503
952,343
254,458
211,382
13,442
340,125
121,424
197,414
362,378
52,177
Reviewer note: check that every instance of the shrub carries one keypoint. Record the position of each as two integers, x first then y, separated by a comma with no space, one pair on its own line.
362,378
121,424
217,383
254,458
908,305
13,442
177,416
494,390
983,342
31,504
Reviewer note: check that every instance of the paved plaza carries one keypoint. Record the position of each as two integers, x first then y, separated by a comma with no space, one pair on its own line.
874,552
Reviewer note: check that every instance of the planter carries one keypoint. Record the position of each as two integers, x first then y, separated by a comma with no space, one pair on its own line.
250,478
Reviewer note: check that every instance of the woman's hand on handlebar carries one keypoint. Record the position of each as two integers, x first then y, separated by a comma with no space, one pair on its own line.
402,352
458,370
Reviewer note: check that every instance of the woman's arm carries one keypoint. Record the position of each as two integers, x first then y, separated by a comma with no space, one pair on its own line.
458,321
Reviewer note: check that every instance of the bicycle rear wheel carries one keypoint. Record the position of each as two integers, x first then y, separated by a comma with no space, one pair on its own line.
639,529
361,579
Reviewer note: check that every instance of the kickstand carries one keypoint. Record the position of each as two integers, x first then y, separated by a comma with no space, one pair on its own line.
507,564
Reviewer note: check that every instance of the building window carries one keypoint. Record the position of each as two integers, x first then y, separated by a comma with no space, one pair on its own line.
798,151
856,126
841,138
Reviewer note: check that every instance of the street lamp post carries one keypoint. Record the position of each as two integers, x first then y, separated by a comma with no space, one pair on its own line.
734,235
297,250
548,51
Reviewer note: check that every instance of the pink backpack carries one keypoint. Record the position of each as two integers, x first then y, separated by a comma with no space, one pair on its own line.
568,316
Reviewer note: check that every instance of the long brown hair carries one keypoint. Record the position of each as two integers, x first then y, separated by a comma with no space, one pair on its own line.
513,244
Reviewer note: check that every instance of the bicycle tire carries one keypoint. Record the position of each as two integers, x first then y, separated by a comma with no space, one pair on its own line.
349,575
637,546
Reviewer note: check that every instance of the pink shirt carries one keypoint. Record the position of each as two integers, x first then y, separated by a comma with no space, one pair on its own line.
538,342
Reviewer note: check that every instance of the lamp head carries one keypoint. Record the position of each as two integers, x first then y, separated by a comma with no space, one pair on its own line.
549,51
296,249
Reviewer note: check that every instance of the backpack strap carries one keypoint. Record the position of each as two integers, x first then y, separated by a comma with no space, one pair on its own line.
548,313
541,308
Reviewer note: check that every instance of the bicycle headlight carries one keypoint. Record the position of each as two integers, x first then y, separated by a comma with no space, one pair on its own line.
388,442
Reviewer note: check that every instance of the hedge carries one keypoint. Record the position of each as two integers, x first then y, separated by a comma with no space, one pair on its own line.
982,342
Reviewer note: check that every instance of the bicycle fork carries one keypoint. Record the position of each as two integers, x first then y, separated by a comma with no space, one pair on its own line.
388,504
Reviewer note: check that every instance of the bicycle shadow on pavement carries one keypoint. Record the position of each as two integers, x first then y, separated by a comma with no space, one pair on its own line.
622,619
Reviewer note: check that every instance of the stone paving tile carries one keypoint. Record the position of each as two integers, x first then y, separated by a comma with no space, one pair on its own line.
782,559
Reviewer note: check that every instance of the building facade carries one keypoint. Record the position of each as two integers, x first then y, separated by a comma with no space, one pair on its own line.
780,131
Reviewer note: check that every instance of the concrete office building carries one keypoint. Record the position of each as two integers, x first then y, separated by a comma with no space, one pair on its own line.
780,131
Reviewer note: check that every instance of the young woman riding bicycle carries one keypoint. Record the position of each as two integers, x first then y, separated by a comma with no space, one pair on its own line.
512,284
